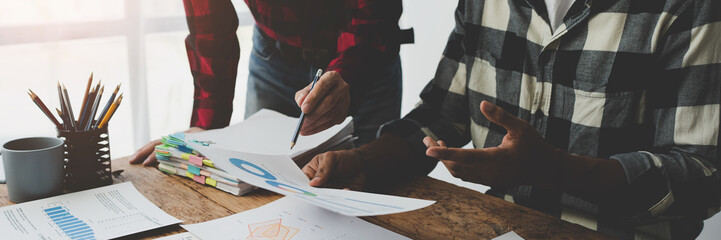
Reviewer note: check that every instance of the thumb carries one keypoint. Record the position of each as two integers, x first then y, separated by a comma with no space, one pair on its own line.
300,95
499,116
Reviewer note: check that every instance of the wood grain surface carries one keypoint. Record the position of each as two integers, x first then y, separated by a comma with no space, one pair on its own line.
459,213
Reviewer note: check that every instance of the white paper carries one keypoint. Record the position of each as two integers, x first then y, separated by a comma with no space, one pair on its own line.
266,132
509,236
101,213
180,236
278,173
286,219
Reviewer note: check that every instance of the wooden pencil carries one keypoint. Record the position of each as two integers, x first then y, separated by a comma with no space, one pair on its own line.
44,108
94,109
107,106
69,108
85,97
111,111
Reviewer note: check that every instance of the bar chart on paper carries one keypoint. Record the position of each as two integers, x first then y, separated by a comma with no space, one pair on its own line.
72,226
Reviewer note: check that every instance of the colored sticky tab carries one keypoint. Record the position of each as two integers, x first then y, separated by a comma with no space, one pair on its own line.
211,182
194,170
205,173
185,156
188,174
208,163
161,157
185,149
178,135
195,160
199,179
166,168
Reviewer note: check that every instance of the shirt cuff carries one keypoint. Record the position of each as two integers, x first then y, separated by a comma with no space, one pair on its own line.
648,186
412,134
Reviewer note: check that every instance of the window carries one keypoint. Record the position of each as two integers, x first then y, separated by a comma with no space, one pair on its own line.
137,43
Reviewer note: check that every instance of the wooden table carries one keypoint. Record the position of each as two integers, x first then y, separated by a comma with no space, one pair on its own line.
459,213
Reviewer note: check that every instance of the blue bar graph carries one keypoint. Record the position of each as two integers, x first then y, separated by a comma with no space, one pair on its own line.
69,224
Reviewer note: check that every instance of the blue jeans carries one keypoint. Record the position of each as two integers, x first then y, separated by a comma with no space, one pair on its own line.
273,82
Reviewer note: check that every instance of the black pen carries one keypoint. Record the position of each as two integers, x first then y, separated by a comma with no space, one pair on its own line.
302,115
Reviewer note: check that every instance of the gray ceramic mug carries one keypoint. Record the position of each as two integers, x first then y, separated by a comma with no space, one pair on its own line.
34,168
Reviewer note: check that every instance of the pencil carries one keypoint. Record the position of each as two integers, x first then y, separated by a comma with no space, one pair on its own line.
107,106
44,108
86,107
85,98
63,108
111,111
69,107
302,115
94,109
65,121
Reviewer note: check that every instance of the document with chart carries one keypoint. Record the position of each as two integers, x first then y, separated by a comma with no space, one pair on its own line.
278,173
289,219
100,213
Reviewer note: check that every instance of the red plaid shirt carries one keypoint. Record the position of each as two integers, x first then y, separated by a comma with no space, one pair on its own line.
361,31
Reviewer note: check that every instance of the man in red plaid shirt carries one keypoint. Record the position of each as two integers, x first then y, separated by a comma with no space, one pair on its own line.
356,42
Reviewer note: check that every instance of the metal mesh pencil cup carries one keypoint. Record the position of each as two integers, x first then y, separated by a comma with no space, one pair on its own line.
87,159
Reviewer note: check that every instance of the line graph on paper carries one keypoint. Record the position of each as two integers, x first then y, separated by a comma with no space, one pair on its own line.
271,230
72,226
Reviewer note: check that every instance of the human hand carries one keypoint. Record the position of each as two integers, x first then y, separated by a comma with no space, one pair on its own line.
344,168
145,153
326,105
523,158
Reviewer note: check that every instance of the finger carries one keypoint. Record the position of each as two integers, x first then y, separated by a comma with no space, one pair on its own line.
466,156
454,168
441,143
324,85
317,122
429,142
499,116
143,152
150,160
309,169
326,166
301,94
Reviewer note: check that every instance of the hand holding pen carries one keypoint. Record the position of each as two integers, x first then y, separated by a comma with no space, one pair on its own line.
325,106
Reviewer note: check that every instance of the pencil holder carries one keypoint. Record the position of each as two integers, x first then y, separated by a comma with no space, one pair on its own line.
87,159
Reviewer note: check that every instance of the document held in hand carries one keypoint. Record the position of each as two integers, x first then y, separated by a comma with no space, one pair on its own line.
273,169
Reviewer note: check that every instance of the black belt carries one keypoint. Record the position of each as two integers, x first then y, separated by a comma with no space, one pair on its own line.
318,58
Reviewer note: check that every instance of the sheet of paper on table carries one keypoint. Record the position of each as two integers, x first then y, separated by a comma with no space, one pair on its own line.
286,219
278,173
509,236
100,213
180,236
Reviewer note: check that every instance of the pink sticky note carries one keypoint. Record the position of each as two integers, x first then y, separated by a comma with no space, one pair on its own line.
195,160
200,179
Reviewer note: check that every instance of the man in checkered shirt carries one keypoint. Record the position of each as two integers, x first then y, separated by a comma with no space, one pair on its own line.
611,121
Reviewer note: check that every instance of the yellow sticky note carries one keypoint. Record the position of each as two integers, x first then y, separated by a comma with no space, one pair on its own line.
211,182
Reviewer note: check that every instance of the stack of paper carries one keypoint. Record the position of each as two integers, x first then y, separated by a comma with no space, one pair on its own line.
257,152
175,157
263,133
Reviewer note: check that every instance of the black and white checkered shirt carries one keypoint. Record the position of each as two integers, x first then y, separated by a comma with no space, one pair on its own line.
634,81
